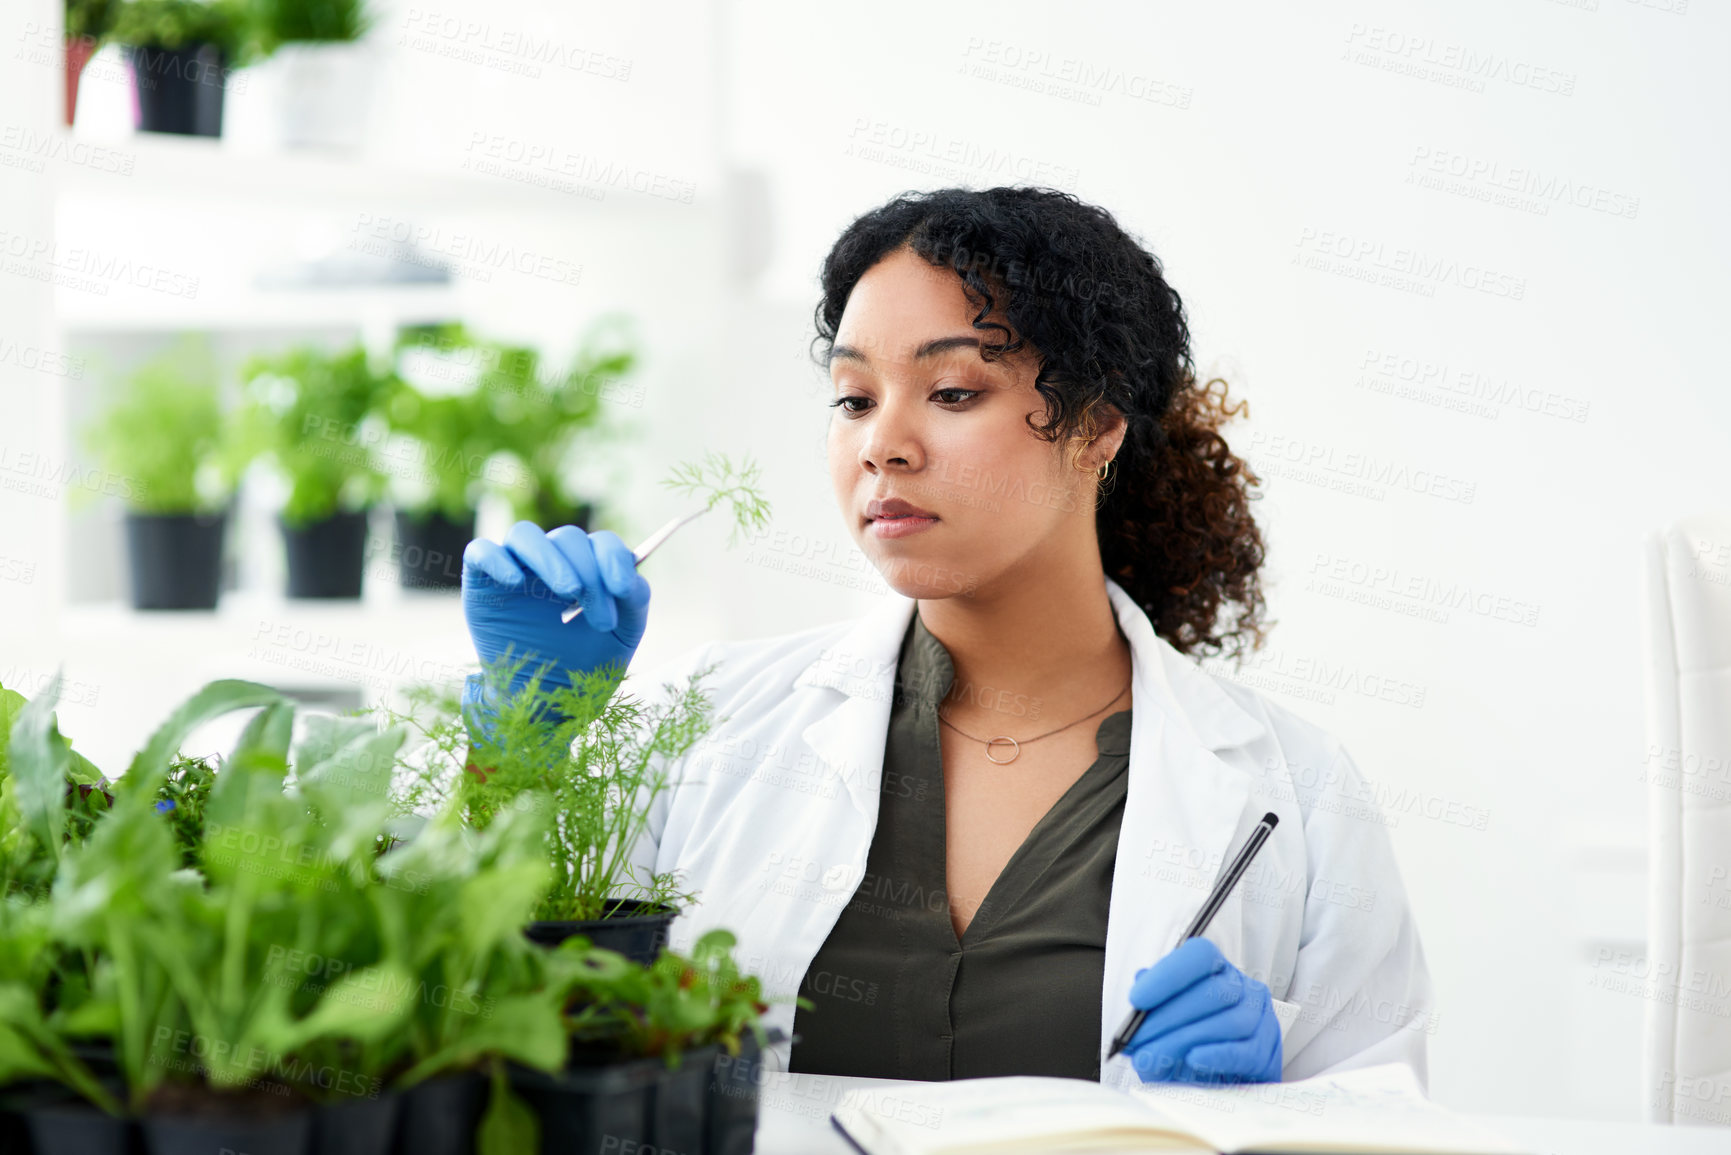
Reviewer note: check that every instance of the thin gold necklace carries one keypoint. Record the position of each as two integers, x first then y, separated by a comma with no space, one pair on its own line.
1015,746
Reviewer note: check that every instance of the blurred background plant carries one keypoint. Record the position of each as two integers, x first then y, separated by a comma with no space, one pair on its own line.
164,433
315,416
549,420
279,22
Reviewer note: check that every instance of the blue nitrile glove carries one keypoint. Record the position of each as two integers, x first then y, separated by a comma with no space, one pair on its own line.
514,593
1207,1021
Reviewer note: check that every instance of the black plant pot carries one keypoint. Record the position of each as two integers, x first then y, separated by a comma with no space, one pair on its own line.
58,1120
326,558
176,559
733,1099
603,1104
678,1113
284,1134
430,550
355,1126
439,1116
178,89
636,930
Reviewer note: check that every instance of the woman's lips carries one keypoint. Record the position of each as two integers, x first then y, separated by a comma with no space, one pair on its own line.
885,527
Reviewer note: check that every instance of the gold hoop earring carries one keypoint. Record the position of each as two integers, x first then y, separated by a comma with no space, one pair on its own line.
1105,470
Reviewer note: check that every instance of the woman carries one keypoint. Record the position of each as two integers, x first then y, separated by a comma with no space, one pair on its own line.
970,827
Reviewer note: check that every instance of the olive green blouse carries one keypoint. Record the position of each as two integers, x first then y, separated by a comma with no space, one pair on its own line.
894,993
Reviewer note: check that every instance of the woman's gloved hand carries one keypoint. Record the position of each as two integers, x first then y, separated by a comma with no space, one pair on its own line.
514,593
1207,1021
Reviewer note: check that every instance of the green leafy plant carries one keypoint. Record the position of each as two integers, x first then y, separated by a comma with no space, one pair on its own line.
454,431
89,19
546,419
165,435
182,23
279,22
202,977
593,757
673,1004
717,480
316,415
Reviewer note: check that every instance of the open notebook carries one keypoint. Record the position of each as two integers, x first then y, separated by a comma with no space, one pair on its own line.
1374,1109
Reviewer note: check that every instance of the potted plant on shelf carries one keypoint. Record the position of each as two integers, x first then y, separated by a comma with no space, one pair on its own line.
445,438
323,70
165,442
181,53
545,418
315,415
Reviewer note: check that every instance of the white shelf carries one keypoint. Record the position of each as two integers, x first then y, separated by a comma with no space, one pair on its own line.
189,169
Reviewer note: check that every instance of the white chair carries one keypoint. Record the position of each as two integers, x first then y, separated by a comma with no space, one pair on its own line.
1686,1065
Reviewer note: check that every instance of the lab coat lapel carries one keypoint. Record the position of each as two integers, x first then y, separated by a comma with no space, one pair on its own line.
1183,811
861,665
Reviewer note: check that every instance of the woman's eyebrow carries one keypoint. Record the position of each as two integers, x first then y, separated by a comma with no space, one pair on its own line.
929,349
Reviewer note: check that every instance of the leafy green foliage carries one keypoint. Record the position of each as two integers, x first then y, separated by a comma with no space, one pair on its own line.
280,22
546,419
456,431
262,918
179,23
671,1005
593,758
89,19
49,793
717,480
166,433
314,414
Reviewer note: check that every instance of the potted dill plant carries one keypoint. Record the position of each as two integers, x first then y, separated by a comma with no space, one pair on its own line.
315,416
597,757
166,438
180,53
444,438
322,67
596,770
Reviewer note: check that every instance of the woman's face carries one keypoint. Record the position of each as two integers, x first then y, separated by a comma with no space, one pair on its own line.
923,419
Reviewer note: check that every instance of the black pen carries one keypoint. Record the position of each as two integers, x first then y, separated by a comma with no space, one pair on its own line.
1216,900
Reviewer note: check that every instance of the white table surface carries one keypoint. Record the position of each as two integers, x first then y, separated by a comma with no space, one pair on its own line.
793,1119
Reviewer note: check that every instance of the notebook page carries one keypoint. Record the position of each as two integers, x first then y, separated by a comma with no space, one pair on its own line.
1374,1109
1007,1113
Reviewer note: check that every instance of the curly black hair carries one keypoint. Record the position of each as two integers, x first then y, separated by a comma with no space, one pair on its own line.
1176,531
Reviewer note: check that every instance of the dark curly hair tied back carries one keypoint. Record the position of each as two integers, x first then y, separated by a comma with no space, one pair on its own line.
1174,524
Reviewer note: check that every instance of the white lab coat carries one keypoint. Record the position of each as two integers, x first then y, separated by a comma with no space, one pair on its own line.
771,816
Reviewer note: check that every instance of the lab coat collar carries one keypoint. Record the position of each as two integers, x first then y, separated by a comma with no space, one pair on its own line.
862,666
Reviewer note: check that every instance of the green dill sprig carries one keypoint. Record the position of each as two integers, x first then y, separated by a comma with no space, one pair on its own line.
716,480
